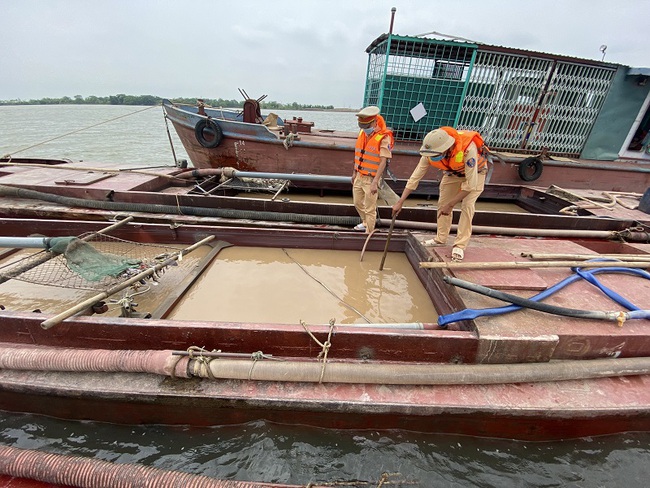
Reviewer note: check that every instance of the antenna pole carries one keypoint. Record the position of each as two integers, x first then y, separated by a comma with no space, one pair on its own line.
392,18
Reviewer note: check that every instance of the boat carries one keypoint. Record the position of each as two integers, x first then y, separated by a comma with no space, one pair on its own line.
554,366
60,189
525,374
547,119
254,148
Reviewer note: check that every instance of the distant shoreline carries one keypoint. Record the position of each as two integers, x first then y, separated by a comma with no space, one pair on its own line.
351,110
152,100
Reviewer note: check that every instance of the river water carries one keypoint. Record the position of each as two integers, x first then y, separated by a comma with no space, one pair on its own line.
262,451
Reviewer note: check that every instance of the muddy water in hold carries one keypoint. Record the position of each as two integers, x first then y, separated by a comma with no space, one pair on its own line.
21,296
251,284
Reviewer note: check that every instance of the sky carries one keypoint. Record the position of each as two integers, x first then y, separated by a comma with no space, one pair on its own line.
304,51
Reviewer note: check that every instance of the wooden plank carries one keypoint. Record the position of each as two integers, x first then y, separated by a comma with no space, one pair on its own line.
172,299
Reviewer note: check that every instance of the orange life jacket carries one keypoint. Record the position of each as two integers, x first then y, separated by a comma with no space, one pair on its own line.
455,163
366,152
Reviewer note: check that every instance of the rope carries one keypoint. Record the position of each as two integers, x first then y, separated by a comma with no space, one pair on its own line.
205,361
326,288
384,479
288,141
126,302
615,198
322,356
178,205
256,356
75,131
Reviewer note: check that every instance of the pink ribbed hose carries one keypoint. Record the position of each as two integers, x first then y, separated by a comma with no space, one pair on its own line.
82,472
86,360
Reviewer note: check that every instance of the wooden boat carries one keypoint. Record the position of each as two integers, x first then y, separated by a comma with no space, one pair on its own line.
523,374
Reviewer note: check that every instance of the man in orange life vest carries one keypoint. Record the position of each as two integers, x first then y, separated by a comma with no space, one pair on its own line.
459,154
373,149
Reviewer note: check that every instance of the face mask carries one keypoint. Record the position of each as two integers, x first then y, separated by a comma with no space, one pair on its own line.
369,131
437,158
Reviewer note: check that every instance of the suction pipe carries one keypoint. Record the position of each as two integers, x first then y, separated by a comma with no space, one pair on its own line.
168,363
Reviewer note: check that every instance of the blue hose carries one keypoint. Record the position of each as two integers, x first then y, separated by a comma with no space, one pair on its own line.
588,275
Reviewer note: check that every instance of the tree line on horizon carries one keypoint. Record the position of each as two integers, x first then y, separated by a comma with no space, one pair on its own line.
148,100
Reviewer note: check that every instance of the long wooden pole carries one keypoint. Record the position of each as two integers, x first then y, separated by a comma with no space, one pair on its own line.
534,264
551,256
390,233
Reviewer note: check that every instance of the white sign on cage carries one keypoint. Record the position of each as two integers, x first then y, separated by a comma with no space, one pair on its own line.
418,112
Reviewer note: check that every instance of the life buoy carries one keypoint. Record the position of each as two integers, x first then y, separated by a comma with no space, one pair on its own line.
209,128
530,169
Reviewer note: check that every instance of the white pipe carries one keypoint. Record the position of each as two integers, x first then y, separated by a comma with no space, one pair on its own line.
24,242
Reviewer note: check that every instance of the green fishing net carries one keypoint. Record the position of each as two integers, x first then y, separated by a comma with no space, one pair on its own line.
85,260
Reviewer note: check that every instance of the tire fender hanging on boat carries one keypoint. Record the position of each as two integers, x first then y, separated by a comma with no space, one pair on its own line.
210,128
530,169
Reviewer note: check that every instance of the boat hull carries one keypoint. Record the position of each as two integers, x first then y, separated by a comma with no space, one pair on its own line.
527,411
253,147
540,410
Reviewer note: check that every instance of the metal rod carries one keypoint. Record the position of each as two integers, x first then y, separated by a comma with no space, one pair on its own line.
628,234
365,244
217,354
291,176
282,187
171,143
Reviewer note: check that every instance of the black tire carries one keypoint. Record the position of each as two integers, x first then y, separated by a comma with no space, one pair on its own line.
209,128
530,169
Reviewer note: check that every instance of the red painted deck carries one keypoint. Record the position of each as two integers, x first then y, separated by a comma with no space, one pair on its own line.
548,410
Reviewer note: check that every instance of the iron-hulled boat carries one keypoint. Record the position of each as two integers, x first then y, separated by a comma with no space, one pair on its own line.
553,367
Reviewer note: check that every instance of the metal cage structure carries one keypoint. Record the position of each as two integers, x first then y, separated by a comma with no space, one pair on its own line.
519,101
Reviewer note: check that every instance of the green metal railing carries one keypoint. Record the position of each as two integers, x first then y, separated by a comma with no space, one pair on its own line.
517,101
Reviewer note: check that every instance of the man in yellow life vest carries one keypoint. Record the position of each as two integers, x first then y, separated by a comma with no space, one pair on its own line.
373,149
459,154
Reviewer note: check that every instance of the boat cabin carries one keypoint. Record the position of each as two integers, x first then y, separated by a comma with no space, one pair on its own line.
520,101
